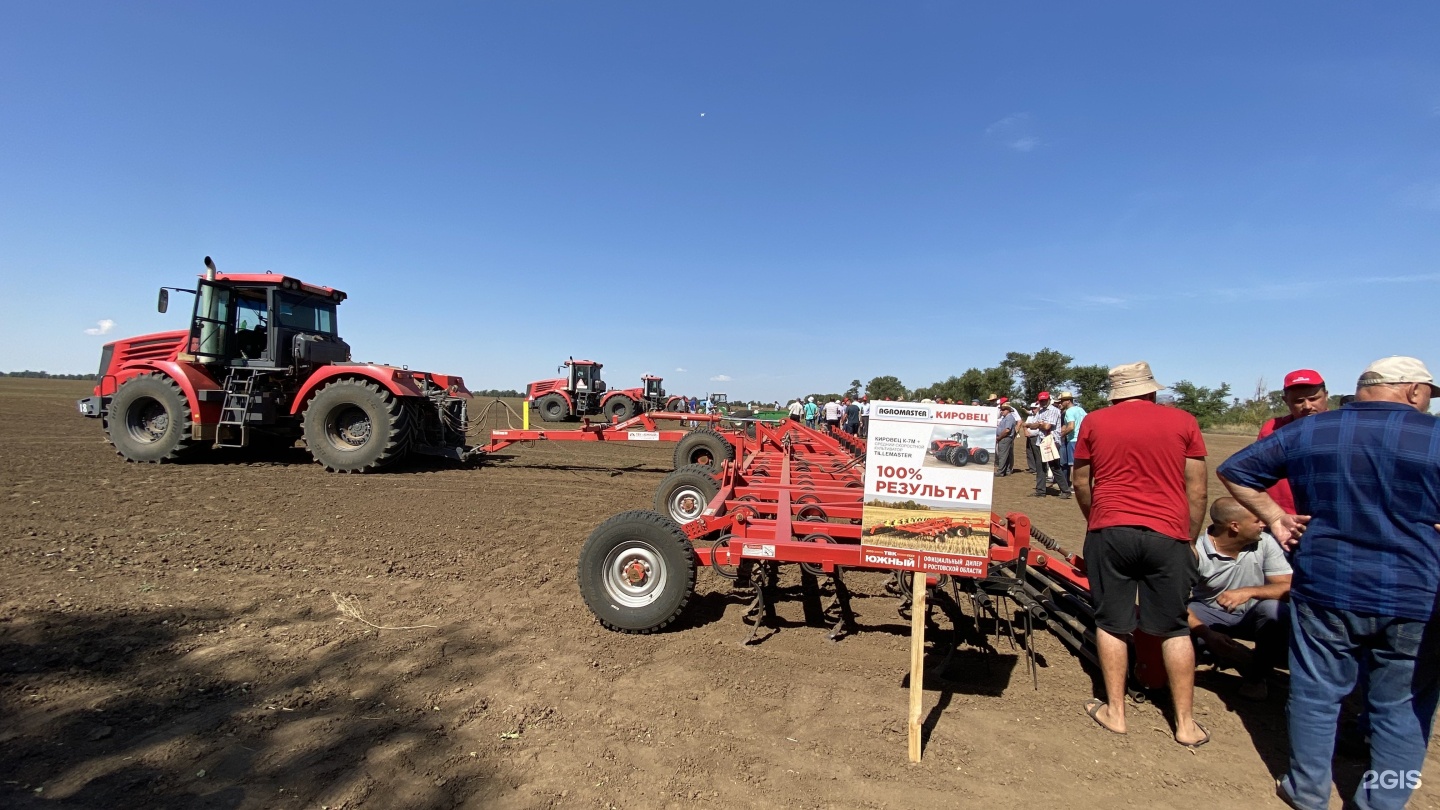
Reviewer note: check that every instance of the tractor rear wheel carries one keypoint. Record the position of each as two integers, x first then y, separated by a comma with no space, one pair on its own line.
982,456
637,572
149,420
356,426
959,456
675,405
684,493
704,446
619,408
553,408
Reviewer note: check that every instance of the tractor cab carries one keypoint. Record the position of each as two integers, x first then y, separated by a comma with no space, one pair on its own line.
654,394
585,384
264,322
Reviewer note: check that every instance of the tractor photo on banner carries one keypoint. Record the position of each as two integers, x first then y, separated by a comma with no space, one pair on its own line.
929,480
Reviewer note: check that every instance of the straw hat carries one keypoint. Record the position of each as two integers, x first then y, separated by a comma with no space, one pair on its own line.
1132,380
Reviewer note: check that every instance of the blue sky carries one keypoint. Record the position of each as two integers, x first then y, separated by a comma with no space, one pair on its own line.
759,198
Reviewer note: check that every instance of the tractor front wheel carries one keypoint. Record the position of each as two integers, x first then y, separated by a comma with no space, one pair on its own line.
356,426
553,408
637,572
149,420
619,408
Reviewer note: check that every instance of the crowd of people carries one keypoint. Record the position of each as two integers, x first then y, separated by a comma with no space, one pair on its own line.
1325,554
848,415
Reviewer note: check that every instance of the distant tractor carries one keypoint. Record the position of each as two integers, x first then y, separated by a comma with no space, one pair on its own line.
583,393
262,365
957,450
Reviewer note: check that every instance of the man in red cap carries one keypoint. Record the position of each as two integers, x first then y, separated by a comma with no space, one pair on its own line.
1305,395
1044,422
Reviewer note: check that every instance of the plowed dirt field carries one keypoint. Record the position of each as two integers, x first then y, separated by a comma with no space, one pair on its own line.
190,636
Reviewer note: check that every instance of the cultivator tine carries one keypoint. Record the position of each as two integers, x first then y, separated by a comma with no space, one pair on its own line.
763,608
842,601
810,598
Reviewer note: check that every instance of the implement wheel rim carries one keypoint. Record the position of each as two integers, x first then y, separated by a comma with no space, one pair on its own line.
634,574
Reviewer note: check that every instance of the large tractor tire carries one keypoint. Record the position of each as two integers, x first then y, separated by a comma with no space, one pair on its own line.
704,446
356,426
675,405
619,408
683,494
982,456
959,456
553,408
149,420
637,572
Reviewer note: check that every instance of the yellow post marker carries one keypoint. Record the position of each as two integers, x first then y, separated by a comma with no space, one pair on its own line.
917,660
525,416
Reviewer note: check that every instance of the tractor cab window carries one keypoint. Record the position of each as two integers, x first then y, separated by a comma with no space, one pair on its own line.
251,324
653,389
307,313
211,325
586,378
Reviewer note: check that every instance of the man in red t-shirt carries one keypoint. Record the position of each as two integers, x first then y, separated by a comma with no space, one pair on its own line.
1304,395
1140,481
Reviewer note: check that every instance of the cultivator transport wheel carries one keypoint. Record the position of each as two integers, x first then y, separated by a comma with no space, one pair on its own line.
637,572
356,426
704,446
149,420
552,408
682,494
620,408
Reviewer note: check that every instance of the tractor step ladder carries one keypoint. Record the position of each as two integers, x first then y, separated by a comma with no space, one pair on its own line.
232,430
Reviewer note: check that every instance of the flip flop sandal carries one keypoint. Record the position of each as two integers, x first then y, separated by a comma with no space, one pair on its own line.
1198,742
1093,708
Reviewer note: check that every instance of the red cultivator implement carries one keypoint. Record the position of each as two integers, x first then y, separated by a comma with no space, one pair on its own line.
782,494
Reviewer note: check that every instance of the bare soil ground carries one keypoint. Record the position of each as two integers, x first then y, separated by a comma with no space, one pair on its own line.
170,636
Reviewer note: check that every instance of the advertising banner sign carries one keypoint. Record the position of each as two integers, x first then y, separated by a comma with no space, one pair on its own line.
929,481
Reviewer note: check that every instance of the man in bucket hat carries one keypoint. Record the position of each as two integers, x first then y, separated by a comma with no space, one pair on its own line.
1367,575
1140,482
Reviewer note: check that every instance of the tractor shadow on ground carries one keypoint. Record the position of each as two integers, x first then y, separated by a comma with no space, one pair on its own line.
123,710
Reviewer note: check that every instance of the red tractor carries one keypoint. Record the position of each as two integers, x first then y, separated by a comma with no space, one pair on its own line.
957,450
262,364
582,393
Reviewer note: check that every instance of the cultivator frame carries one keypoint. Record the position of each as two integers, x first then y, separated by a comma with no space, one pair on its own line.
794,495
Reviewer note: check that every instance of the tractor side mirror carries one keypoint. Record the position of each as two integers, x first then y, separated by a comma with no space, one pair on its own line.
164,304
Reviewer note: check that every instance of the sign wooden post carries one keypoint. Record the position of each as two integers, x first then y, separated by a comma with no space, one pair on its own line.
917,660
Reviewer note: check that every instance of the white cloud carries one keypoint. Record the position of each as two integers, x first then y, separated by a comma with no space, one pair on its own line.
1015,131
681,370
1008,124
101,327
720,378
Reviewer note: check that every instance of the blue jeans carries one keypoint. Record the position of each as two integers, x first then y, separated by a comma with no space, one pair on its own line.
1266,622
1327,649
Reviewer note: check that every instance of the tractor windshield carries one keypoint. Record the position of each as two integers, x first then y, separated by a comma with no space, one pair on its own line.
305,312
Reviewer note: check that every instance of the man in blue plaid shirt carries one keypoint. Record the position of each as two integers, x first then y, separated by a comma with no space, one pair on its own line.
1366,480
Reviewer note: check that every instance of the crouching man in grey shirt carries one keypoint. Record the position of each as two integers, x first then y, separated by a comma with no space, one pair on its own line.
1243,578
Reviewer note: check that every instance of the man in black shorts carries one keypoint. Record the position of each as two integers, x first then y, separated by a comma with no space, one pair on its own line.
1140,481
